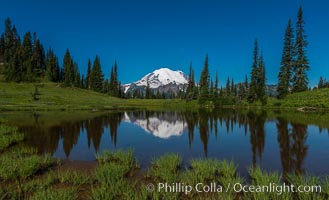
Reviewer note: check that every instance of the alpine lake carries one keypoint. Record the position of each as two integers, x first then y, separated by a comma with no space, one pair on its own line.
283,141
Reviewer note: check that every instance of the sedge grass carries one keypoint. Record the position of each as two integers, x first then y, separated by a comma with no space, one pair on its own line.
260,178
9,136
56,194
165,168
13,167
308,181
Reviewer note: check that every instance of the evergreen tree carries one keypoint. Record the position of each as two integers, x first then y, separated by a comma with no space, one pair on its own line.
287,62
61,74
97,77
191,84
233,88
114,85
8,42
246,87
216,89
26,55
300,79
83,82
204,82
114,82
16,59
121,92
254,74
77,78
257,89
261,82
88,75
148,93
68,69
321,83
111,82
228,87
221,91
38,58
52,66
11,49
241,91
106,86
2,48
211,91
158,95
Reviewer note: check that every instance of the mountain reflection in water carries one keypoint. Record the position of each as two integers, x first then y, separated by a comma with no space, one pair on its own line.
275,142
163,126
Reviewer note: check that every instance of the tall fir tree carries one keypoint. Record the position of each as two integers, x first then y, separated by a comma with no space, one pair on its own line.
321,83
52,66
301,66
246,87
287,62
8,43
254,74
97,76
261,82
2,48
114,84
26,56
83,82
16,59
216,94
68,68
148,92
228,87
257,88
240,91
88,74
116,81
211,91
191,84
76,75
38,57
11,49
233,88
204,82
111,82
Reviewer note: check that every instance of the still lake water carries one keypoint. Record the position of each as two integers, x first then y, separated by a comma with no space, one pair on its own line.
285,142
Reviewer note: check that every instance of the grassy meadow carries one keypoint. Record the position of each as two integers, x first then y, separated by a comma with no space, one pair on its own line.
52,96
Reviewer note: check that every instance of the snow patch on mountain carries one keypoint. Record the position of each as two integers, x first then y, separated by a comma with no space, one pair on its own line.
160,77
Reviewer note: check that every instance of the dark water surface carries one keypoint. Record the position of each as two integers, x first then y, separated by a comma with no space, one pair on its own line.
281,141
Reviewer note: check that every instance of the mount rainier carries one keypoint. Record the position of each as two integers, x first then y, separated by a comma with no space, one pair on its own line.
163,80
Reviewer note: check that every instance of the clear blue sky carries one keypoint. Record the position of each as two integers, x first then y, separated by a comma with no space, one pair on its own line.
147,34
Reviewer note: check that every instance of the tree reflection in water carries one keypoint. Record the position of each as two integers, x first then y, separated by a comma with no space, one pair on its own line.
291,136
293,148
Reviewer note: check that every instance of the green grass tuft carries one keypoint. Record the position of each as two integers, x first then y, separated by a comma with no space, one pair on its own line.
9,136
75,178
55,194
17,166
262,178
165,168
119,157
307,180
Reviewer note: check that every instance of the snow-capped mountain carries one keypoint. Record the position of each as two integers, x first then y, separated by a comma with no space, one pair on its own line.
160,126
162,80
